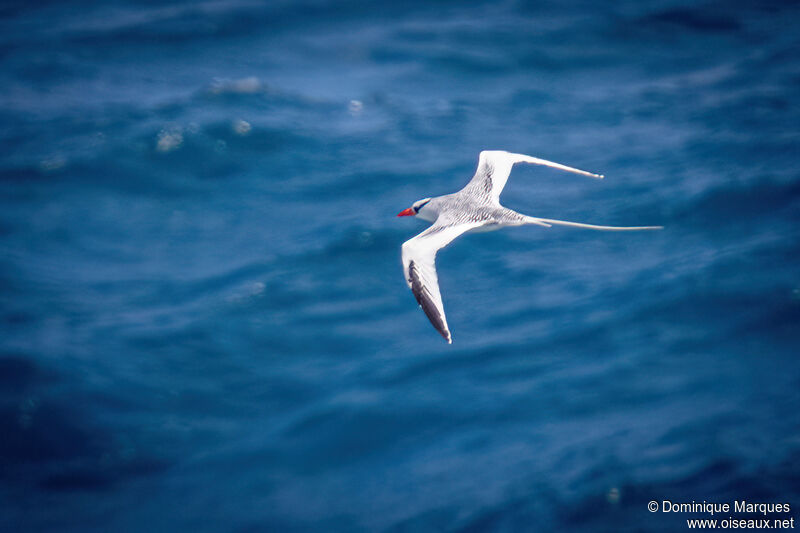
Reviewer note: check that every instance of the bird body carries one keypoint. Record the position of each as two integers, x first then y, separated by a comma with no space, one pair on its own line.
475,208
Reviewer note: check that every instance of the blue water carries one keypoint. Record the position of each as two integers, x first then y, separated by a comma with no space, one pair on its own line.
203,320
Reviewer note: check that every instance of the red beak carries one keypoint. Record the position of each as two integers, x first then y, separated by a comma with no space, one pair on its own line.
406,213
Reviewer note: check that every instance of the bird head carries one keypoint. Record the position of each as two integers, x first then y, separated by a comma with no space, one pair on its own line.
416,209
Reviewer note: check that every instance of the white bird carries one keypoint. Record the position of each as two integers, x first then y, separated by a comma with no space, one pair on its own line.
474,208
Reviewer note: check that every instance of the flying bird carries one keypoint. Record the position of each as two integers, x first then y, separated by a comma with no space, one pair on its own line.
475,208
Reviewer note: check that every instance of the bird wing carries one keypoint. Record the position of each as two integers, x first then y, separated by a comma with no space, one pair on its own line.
494,166
419,267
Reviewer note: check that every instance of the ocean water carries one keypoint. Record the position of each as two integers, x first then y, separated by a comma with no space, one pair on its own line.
203,320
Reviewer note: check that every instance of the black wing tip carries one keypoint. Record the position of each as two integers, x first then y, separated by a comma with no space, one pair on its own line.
425,301
444,332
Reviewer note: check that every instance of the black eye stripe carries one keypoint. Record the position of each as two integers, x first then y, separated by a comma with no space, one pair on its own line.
420,206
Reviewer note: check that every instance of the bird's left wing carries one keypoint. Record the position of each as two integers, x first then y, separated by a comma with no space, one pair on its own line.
419,267
494,167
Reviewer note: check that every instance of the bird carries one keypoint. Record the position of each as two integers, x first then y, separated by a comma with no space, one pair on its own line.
475,208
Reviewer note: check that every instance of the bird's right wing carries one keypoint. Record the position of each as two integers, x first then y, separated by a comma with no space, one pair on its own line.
494,167
419,267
